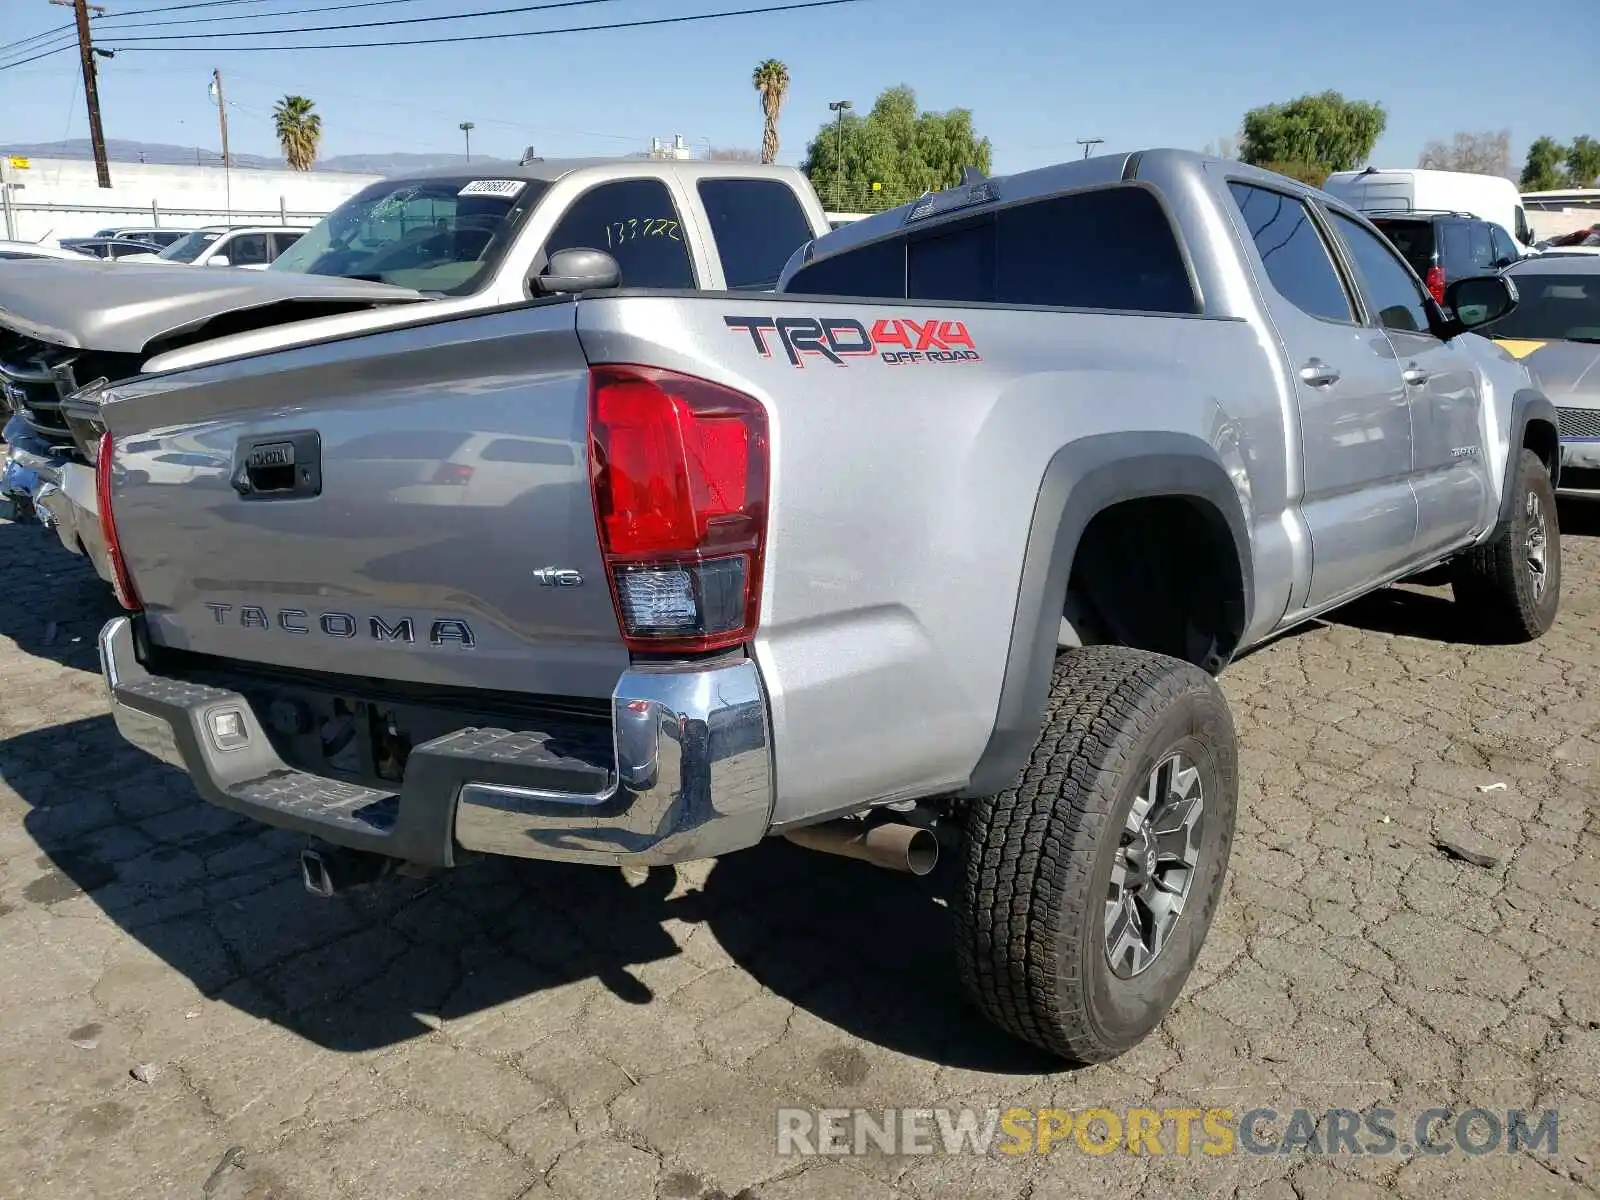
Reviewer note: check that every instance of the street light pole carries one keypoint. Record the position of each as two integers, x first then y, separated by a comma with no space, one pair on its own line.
467,127
1087,142
222,121
840,107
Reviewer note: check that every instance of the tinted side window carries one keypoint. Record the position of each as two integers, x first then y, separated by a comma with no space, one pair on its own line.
757,224
1293,252
1112,248
953,266
1482,246
1391,289
877,269
247,249
635,222
1504,251
1455,255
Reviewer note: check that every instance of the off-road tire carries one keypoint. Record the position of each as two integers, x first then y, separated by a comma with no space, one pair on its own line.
1494,583
1030,914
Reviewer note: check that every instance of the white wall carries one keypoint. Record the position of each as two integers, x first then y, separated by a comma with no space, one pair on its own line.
61,197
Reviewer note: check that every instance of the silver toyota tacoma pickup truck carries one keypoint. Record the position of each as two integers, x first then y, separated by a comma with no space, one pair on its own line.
941,545
462,240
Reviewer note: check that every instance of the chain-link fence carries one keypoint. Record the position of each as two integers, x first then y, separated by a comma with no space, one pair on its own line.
845,196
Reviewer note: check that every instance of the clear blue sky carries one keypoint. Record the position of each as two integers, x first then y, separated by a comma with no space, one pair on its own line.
1036,73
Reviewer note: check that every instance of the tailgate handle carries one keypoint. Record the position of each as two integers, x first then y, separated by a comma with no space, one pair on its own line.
278,466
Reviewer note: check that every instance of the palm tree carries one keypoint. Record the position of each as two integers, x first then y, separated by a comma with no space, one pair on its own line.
299,131
772,81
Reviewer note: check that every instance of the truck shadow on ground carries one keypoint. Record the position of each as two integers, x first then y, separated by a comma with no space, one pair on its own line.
52,604
219,899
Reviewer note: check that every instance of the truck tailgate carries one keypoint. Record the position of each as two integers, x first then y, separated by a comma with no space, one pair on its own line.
411,505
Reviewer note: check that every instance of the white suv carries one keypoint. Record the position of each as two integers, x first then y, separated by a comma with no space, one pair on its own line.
253,247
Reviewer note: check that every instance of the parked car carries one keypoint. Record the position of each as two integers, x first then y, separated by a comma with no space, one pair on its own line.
1579,242
156,237
1443,247
109,248
253,247
1491,197
453,237
1555,331
951,532
18,250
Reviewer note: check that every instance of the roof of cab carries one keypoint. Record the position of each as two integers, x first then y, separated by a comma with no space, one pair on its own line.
549,170
1041,181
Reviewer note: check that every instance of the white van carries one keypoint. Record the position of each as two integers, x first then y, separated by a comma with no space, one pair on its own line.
1491,197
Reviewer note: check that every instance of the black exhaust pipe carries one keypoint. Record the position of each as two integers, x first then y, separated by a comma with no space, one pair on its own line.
329,870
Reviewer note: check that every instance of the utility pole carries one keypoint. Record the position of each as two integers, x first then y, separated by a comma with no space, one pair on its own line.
91,91
840,107
467,127
1088,142
222,121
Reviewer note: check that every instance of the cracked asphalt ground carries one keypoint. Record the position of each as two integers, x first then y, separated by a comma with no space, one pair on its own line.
525,1030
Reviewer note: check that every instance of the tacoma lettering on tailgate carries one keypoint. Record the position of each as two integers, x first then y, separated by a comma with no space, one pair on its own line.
442,631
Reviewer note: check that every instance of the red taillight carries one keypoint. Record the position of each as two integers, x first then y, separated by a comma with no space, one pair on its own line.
449,472
1435,283
679,473
121,581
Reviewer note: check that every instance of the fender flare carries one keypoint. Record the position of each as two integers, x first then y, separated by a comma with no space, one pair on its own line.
1083,479
1528,405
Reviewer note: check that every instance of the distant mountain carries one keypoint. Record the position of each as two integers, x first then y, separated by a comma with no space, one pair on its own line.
164,154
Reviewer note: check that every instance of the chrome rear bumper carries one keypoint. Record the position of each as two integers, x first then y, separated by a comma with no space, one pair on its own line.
691,778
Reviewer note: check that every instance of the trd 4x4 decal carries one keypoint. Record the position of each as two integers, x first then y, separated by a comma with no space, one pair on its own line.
896,341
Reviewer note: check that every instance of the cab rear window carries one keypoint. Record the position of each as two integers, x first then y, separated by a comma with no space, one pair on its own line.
1414,240
1109,248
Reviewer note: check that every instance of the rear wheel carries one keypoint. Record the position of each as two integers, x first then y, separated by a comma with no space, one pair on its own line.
1511,586
1092,881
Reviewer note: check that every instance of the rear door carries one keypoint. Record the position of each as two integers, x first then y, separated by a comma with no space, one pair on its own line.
337,521
1449,470
1355,425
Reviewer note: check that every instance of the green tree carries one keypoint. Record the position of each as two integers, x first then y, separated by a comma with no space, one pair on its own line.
299,131
892,154
1306,172
1324,129
1543,170
771,80
1583,161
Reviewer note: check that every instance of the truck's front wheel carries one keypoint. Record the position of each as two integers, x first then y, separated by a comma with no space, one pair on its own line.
1091,882
1511,586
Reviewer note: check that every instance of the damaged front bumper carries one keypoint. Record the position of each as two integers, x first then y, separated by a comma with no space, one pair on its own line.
57,489
686,771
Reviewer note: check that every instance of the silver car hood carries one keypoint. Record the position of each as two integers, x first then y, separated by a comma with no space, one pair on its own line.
124,307
1565,371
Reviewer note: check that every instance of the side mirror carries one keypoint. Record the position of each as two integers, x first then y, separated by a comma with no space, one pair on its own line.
218,260
577,270
1478,300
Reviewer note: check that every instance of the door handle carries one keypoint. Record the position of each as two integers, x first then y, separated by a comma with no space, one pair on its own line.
1318,373
1414,376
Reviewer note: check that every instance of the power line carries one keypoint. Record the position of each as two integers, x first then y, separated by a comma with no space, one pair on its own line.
150,12
69,27
288,12
467,16
73,45
495,37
